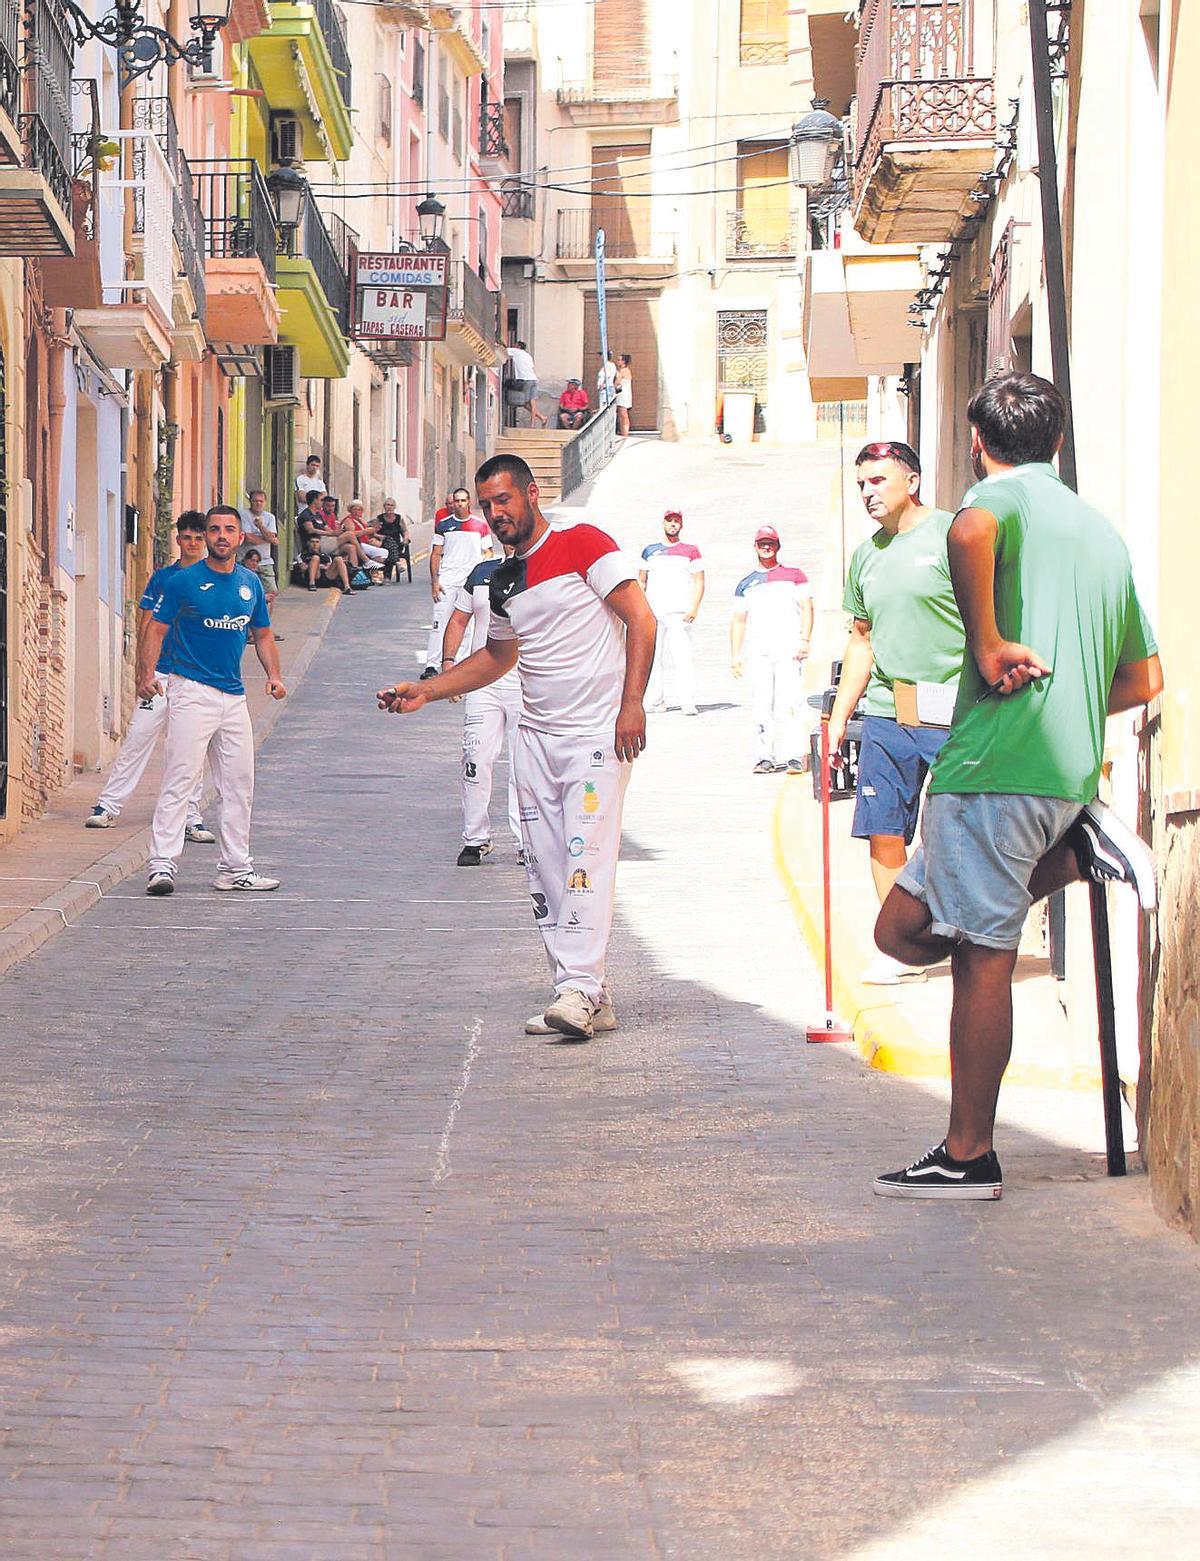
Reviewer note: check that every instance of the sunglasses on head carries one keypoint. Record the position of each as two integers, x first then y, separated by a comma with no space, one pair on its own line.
890,450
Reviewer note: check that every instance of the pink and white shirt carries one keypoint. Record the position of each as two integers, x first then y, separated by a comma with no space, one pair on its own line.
570,644
462,544
772,602
670,568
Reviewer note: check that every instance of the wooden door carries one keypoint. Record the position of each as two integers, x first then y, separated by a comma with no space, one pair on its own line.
632,328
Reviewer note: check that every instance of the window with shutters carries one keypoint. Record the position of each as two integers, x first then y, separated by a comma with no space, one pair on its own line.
383,86
763,34
418,73
620,45
763,224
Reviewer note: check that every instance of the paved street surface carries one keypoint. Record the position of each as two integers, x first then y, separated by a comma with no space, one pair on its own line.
307,1251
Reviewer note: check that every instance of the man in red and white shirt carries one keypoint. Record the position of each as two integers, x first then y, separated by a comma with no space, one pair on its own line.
460,540
769,637
569,614
673,579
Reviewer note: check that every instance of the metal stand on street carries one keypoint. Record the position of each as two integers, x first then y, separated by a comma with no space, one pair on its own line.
829,1027
1110,1080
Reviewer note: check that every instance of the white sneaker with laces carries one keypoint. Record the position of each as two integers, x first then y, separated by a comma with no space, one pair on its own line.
886,971
161,883
199,834
604,1020
245,882
572,1013
1108,851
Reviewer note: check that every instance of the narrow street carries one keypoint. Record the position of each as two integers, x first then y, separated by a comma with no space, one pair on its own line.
306,1250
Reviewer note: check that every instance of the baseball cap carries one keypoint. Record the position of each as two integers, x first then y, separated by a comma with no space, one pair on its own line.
678,513
766,534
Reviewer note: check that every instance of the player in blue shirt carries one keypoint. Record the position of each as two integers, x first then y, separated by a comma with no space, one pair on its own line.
211,610
150,715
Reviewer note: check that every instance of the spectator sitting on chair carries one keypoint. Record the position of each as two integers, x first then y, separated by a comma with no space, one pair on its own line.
364,533
345,538
573,405
393,532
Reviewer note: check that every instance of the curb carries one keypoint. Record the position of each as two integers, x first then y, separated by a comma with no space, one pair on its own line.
33,927
885,1037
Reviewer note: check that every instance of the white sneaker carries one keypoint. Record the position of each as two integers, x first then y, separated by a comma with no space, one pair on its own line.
572,1013
161,883
886,971
603,1021
245,881
1108,851
99,818
199,834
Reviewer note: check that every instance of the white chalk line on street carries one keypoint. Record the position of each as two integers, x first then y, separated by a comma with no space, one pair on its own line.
441,1167
286,926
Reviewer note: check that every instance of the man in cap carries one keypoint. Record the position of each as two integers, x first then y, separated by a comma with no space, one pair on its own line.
573,405
769,638
672,576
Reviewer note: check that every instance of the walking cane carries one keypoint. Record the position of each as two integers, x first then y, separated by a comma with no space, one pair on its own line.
1110,1080
829,1027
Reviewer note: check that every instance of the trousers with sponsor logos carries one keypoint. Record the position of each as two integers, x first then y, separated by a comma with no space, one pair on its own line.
775,689
441,617
674,637
148,720
203,720
490,714
571,790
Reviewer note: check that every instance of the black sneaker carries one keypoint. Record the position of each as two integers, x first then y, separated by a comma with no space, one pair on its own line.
1108,851
471,856
797,767
936,1175
764,767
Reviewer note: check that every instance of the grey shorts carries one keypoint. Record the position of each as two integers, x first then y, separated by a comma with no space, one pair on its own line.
266,573
975,860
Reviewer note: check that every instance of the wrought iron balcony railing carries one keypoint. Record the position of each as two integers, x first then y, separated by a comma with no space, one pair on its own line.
10,55
46,122
155,114
239,217
189,234
751,235
491,130
333,30
918,80
576,240
309,240
516,200
473,303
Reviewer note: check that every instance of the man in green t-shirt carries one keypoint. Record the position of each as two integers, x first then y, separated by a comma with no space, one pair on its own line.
1057,641
905,627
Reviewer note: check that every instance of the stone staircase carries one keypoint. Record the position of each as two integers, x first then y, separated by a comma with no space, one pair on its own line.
542,449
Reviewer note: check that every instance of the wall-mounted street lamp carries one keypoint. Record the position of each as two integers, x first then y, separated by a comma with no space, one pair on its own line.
288,188
431,216
814,148
140,46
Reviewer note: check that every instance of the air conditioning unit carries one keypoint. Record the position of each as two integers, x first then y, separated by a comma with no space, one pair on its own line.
281,375
287,140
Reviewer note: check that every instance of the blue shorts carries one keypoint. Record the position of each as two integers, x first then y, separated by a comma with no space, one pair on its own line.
892,766
977,855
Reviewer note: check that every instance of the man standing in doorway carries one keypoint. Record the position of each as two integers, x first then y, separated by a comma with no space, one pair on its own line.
770,635
150,714
906,627
1057,642
568,613
491,714
460,540
672,577
212,608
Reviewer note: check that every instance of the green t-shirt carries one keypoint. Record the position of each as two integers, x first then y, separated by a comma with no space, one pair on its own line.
901,586
1064,587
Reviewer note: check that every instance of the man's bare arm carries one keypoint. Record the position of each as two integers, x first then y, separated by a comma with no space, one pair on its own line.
737,638
267,652
1003,664
479,669
697,596
1134,684
149,651
453,636
628,601
806,626
857,660
435,569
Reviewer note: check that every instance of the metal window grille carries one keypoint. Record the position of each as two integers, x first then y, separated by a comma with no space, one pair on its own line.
742,350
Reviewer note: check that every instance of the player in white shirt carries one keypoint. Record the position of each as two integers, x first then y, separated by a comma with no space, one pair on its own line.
490,715
673,579
769,637
460,541
569,614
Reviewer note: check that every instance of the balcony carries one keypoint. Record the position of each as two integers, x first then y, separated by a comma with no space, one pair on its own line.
856,313
646,252
132,327
472,319
607,97
36,204
304,64
11,147
757,235
401,13
520,31
518,237
156,115
240,241
314,296
73,281
493,148
926,120
451,24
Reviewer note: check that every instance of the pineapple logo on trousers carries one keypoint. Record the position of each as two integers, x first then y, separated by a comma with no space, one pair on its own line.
591,802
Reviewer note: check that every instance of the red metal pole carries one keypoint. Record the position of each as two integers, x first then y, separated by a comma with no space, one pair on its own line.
829,1027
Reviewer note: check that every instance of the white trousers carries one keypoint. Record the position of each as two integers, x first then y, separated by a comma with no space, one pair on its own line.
203,720
489,715
441,617
148,720
675,636
571,791
378,555
775,688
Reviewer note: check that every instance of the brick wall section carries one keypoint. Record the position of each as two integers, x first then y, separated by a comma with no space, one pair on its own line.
1169,1109
43,673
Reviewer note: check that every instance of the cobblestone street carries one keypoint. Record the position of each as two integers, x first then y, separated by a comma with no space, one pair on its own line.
306,1250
